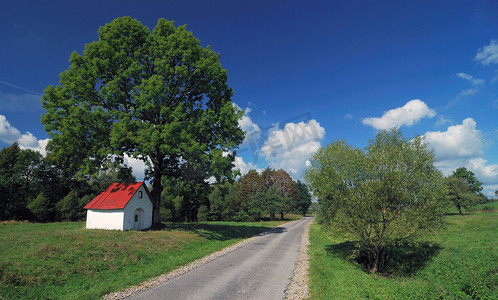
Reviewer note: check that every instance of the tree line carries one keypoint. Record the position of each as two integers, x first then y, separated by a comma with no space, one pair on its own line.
255,196
35,188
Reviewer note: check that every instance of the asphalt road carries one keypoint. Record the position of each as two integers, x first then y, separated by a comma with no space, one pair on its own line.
259,270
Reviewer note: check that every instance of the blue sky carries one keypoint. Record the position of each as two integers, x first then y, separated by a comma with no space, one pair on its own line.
305,72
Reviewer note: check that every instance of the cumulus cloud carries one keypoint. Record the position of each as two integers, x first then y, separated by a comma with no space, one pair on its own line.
486,173
488,54
290,148
246,123
462,146
242,166
8,134
252,130
38,145
458,141
408,114
471,79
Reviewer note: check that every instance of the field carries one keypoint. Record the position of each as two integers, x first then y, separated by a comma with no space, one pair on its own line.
67,261
460,262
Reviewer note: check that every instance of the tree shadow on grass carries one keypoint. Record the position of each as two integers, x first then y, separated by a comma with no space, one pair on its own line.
220,232
403,260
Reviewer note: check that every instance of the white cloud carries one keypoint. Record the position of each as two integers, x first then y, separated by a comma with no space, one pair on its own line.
485,173
246,123
252,130
471,79
348,116
28,140
488,54
8,134
138,166
462,146
409,114
459,141
243,167
34,144
291,147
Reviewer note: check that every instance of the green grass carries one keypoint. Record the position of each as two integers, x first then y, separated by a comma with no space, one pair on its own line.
461,262
67,261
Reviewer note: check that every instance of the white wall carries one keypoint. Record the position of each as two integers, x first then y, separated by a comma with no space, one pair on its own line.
104,219
135,202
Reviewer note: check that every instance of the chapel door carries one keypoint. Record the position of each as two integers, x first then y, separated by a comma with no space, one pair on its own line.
136,220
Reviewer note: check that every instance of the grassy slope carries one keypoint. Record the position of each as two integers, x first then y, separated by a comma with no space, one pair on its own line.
463,263
66,261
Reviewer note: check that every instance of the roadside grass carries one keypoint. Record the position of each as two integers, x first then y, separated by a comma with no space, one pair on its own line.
67,261
460,262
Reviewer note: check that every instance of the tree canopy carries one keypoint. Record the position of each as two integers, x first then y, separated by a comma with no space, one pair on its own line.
157,96
303,197
459,193
469,177
386,193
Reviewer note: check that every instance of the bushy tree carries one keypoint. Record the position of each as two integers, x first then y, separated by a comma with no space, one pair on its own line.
303,198
460,194
250,184
21,181
469,177
286,187
157,96
70,207
265,202
42,209
225,201
387,193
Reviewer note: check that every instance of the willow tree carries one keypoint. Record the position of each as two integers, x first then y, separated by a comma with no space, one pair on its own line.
157,96
384,194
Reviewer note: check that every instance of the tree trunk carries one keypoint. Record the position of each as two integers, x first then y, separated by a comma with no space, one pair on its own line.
376,256
459,208
282,215
157,189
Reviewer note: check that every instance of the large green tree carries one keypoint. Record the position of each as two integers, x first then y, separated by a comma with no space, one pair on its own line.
384,194
157,96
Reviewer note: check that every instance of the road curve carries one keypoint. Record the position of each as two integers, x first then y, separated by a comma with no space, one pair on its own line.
259,270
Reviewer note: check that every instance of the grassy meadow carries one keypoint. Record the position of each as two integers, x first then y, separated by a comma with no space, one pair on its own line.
67,261
460,262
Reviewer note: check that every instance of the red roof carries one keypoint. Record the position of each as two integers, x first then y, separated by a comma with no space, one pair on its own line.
116,196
